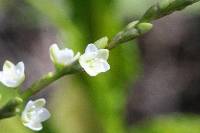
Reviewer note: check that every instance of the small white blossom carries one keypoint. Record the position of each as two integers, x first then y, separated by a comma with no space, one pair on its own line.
94,60
34,114
62,57
12,75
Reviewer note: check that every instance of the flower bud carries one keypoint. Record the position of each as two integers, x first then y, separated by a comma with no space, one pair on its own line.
102,43
34,114
144,27
62,57
12,75
132,24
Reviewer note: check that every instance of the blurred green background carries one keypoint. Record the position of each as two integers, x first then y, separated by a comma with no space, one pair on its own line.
83,104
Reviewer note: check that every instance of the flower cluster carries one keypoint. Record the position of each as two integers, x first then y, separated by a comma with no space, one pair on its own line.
93,61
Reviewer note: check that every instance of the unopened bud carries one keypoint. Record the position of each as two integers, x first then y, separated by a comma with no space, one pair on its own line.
102,43
144,27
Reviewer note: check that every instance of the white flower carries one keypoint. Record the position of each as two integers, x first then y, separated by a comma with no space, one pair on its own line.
12,75
62,57
94,60
35,113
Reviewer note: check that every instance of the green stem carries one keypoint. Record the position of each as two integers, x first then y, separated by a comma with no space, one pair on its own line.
48,79
42,83
165,7
10,109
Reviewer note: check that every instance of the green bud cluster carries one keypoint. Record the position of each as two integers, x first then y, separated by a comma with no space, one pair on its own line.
132,30
165,7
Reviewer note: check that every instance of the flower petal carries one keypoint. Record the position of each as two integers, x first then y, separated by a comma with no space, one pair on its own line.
105,66
39,103
91,71
20,68
91,48
101,66
54,49
28,105
8,66
10,83
43,114
103,54
68,52
65,56
36,126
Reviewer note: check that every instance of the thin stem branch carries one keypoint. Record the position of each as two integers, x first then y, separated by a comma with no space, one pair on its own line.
50,78
10,108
